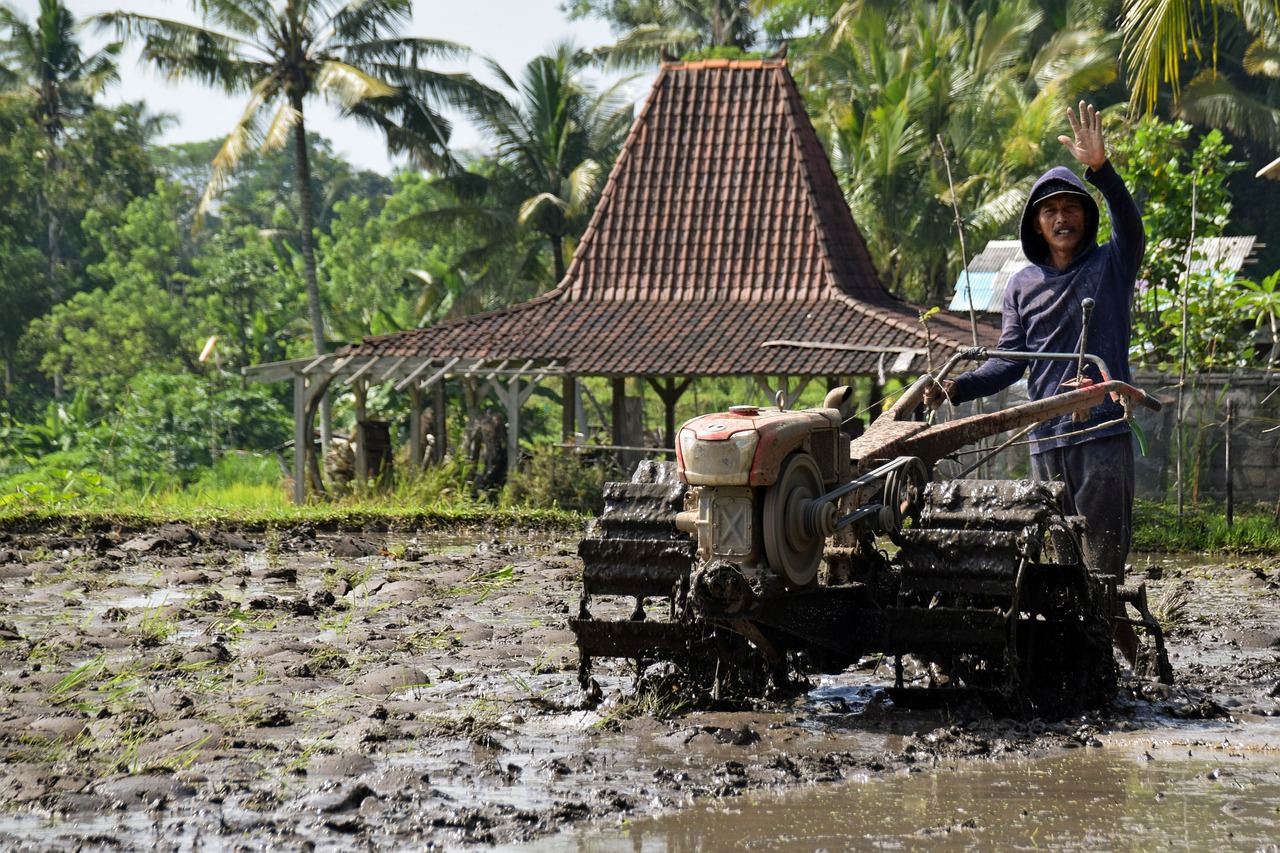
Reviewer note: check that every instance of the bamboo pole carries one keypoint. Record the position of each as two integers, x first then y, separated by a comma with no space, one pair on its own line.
1231,410
1182,370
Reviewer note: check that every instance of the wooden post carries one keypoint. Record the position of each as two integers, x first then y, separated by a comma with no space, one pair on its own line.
415,427
300,439
568,408
669,412
361,456
438,400
513,423
1231,410
317,393
618,387
670,392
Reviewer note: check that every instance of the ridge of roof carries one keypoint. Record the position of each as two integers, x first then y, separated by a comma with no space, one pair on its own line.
700,64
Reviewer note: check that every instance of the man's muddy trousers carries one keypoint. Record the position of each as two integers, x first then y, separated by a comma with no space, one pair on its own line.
1099,478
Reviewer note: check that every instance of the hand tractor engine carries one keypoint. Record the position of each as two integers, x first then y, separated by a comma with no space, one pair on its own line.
765,541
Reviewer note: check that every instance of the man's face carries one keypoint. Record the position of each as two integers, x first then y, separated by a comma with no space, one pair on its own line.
1060,221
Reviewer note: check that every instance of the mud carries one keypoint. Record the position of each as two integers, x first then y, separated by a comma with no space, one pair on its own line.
178,689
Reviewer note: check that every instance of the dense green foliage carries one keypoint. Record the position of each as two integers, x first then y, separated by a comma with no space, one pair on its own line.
110,293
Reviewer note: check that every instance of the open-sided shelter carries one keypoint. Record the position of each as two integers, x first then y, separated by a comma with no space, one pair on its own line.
721,245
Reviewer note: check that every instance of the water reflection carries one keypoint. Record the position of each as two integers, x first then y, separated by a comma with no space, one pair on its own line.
1123,797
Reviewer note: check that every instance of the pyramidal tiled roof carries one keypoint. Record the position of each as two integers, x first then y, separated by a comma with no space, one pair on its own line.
721,228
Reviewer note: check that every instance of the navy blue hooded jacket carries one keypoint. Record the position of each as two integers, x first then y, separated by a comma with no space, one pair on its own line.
1042,308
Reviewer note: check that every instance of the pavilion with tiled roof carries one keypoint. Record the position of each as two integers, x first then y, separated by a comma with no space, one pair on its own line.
721,246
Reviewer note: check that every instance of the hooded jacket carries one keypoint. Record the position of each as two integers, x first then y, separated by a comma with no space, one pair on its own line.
1042,311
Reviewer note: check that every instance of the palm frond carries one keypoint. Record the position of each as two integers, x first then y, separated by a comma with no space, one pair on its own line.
583,185
363,21
1158,34
1262,59
282,123
246,135
180,50
1211,100
243,16
348,84
1078,60
409,52
1003,207
99,71
532,206
409,127
644,45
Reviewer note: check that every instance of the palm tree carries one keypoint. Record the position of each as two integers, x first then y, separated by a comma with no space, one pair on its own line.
555,141
43,64
649,29
281,54
887,80
1232,49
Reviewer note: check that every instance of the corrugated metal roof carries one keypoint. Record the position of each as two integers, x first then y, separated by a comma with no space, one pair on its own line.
991,269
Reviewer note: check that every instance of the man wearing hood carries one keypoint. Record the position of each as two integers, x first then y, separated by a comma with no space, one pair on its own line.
1042,313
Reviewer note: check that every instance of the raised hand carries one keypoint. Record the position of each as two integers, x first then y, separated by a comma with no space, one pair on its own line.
1088,146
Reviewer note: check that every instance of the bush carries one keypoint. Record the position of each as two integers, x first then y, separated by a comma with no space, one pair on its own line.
171,426
446,484
1204,528
555,477
59,481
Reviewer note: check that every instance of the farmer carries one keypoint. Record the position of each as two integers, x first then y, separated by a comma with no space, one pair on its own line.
1042,313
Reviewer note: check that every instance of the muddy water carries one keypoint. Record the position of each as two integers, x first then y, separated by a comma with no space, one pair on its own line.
1128,795
288,690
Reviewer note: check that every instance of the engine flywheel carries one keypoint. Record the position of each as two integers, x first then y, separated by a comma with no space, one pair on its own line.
793,550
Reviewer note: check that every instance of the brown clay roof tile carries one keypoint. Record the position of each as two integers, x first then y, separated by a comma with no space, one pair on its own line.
721,227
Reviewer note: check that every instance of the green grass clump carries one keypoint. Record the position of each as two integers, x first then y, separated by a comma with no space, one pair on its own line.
1204,528
247,489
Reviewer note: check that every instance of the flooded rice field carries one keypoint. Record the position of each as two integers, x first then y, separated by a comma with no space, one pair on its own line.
1125,796
182,689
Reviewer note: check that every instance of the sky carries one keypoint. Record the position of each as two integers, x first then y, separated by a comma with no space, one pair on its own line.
509,31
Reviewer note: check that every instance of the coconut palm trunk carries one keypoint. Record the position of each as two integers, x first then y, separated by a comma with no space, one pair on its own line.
557,256
306,240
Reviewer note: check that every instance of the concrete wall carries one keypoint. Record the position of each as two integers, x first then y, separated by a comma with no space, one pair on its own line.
1255,453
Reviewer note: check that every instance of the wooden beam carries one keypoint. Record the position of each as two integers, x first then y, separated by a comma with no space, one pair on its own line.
317,386
494,372
439,374
415,428
669,392
618,385
792,396
762,382
438,401
276,372
514,400
568,408
300,439
361,456
413,374
319,360
395,365
360,371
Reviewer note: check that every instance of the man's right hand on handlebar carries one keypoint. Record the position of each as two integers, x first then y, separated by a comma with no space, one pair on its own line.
936,393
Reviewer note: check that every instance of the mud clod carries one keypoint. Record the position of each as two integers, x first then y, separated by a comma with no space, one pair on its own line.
295,689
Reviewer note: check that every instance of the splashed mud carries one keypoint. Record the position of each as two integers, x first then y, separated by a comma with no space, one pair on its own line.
178,689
